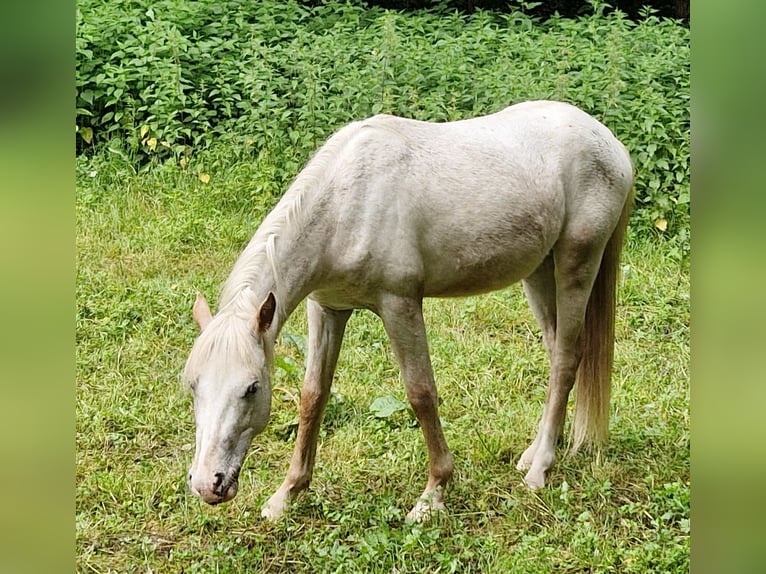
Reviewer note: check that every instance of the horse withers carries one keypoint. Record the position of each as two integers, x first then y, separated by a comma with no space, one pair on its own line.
390,211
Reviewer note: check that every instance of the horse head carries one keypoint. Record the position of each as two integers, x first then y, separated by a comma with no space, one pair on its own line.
228,374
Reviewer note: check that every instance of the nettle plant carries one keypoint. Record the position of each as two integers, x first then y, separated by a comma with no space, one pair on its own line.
167,79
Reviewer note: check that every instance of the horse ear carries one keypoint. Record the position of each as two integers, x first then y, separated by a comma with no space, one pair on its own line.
201,312
266,313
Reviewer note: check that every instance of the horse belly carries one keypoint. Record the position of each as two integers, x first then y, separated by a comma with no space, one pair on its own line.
469,272
472,258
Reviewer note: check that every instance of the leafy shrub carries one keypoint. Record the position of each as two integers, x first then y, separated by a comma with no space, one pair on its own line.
165,78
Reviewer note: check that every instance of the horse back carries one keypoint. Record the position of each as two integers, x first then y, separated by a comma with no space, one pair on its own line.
474,205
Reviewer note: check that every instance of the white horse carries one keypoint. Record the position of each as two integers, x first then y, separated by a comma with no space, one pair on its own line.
393,210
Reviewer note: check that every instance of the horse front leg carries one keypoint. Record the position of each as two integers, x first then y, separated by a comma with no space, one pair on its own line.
325,334
403,321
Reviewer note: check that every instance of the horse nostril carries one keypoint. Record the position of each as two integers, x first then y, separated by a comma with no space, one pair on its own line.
218,480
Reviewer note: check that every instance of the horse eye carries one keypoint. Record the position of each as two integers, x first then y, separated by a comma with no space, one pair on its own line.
252,389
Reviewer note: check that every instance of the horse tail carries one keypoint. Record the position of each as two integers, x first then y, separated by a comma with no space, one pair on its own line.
594,375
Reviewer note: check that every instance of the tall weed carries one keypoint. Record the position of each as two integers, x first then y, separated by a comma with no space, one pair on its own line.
168,78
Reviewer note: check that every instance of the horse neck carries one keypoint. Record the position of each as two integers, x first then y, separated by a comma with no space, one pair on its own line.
275,261
284,255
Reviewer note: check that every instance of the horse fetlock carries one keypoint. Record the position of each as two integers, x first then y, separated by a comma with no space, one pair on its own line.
279,502
527,457
441,471
294,485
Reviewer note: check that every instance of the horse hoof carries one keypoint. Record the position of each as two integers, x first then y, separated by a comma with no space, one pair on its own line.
526,458
424,511
535,480
273,510
270,515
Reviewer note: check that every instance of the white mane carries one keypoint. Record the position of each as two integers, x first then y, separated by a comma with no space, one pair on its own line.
284,220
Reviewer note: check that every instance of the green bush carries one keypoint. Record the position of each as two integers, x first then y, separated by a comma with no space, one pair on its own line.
164,79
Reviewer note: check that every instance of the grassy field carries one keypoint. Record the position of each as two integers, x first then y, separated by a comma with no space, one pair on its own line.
147,241
191,124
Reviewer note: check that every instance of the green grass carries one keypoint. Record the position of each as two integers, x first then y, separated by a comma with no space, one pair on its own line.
146,242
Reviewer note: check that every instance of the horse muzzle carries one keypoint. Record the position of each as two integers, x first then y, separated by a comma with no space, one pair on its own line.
217,489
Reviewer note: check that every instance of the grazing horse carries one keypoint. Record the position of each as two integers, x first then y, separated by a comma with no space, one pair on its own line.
390,211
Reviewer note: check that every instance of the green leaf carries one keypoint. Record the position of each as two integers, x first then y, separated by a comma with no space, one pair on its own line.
283,363
384,407
86,134
87,95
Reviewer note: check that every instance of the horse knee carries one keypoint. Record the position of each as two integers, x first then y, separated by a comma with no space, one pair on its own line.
313,398
423,399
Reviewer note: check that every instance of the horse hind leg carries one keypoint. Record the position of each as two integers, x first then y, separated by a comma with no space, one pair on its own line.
540,289
325,334
575,270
